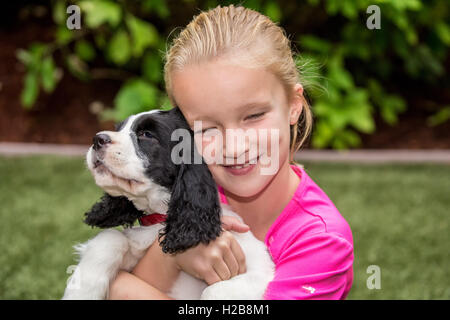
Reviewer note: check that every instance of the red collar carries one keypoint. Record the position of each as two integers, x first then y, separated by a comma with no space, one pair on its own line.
151,219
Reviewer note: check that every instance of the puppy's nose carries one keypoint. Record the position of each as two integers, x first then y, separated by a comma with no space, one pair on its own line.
100,140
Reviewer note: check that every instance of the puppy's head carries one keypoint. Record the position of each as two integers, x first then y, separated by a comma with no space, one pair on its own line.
135,164
134,161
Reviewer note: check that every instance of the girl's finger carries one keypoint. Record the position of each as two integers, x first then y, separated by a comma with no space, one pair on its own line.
211,277
238,255
221,268
231,262
234,224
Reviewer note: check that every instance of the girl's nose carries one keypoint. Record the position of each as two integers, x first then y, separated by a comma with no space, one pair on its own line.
235,146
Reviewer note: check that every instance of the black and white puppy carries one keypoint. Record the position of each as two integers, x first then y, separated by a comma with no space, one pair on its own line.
134,166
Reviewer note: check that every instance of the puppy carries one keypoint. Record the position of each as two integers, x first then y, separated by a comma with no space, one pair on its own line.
135,167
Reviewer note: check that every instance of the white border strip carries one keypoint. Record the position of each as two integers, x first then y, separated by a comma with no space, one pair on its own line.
375,156
25,149
360,156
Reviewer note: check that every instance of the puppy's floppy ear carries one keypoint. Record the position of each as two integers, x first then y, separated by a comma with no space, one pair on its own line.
112,212
193,214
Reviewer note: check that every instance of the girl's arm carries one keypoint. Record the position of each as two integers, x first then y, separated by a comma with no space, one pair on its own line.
127,286
156,272
157,268
151,278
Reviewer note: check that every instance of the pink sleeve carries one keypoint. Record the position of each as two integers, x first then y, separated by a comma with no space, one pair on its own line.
316,267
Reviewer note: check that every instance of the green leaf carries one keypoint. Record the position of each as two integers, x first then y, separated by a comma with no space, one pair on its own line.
350,138
101,11
30,90
84,50
63,35
332,6
165,103
143,34
359,111
48,74
24,56
323,134
252,4
443,31
322,108
273,11
390,107
340,77
439,117
406,4
135,96
77,67
159,6
338,117
36,51
119,48
59,12
152,67
363,121
313,2
315,44
349,8
100,41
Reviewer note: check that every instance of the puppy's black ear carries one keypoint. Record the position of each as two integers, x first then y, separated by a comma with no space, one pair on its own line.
193,215
112,212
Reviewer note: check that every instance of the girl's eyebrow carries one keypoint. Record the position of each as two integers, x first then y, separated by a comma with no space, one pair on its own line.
253,105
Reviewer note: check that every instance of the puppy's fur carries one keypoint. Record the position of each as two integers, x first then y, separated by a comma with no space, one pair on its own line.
133,165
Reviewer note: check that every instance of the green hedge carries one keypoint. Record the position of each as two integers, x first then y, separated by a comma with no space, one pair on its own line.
348,70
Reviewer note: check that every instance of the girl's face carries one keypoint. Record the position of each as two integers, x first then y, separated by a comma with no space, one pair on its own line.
226,97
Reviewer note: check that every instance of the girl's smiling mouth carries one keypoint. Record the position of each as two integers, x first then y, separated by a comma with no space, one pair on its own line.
241,169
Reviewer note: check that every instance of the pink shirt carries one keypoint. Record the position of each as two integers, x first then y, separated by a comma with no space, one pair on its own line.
311,245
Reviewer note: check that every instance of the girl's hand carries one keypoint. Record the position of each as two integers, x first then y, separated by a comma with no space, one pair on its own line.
221,259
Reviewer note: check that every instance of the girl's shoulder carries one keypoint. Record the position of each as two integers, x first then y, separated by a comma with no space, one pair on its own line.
310,212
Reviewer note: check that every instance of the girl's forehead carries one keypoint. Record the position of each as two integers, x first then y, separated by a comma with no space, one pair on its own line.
215,81
220,88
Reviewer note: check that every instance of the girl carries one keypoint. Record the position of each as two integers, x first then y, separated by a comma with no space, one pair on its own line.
232,68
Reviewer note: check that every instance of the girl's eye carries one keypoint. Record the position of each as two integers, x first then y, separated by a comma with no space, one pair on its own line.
207,130
255,116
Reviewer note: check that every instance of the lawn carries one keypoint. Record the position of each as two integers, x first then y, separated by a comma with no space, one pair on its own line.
399,215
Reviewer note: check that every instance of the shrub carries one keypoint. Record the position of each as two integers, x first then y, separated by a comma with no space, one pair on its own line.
351,73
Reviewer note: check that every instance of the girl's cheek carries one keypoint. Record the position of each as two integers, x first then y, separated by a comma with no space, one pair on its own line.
209,149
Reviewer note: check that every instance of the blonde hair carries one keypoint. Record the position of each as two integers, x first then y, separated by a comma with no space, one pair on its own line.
247,38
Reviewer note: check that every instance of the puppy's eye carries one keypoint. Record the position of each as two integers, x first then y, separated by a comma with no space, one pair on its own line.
145,134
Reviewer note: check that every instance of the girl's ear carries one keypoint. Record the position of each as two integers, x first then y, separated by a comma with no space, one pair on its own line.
193,215
112,212
296,105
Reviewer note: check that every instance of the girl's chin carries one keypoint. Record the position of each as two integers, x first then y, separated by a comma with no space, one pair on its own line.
243,191
244,186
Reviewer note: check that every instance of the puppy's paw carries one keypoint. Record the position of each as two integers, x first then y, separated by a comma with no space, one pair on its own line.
214,292
247,286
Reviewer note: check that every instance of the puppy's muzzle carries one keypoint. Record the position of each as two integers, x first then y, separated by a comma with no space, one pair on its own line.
100,141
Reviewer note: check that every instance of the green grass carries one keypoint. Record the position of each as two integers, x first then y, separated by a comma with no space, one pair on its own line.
398,214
